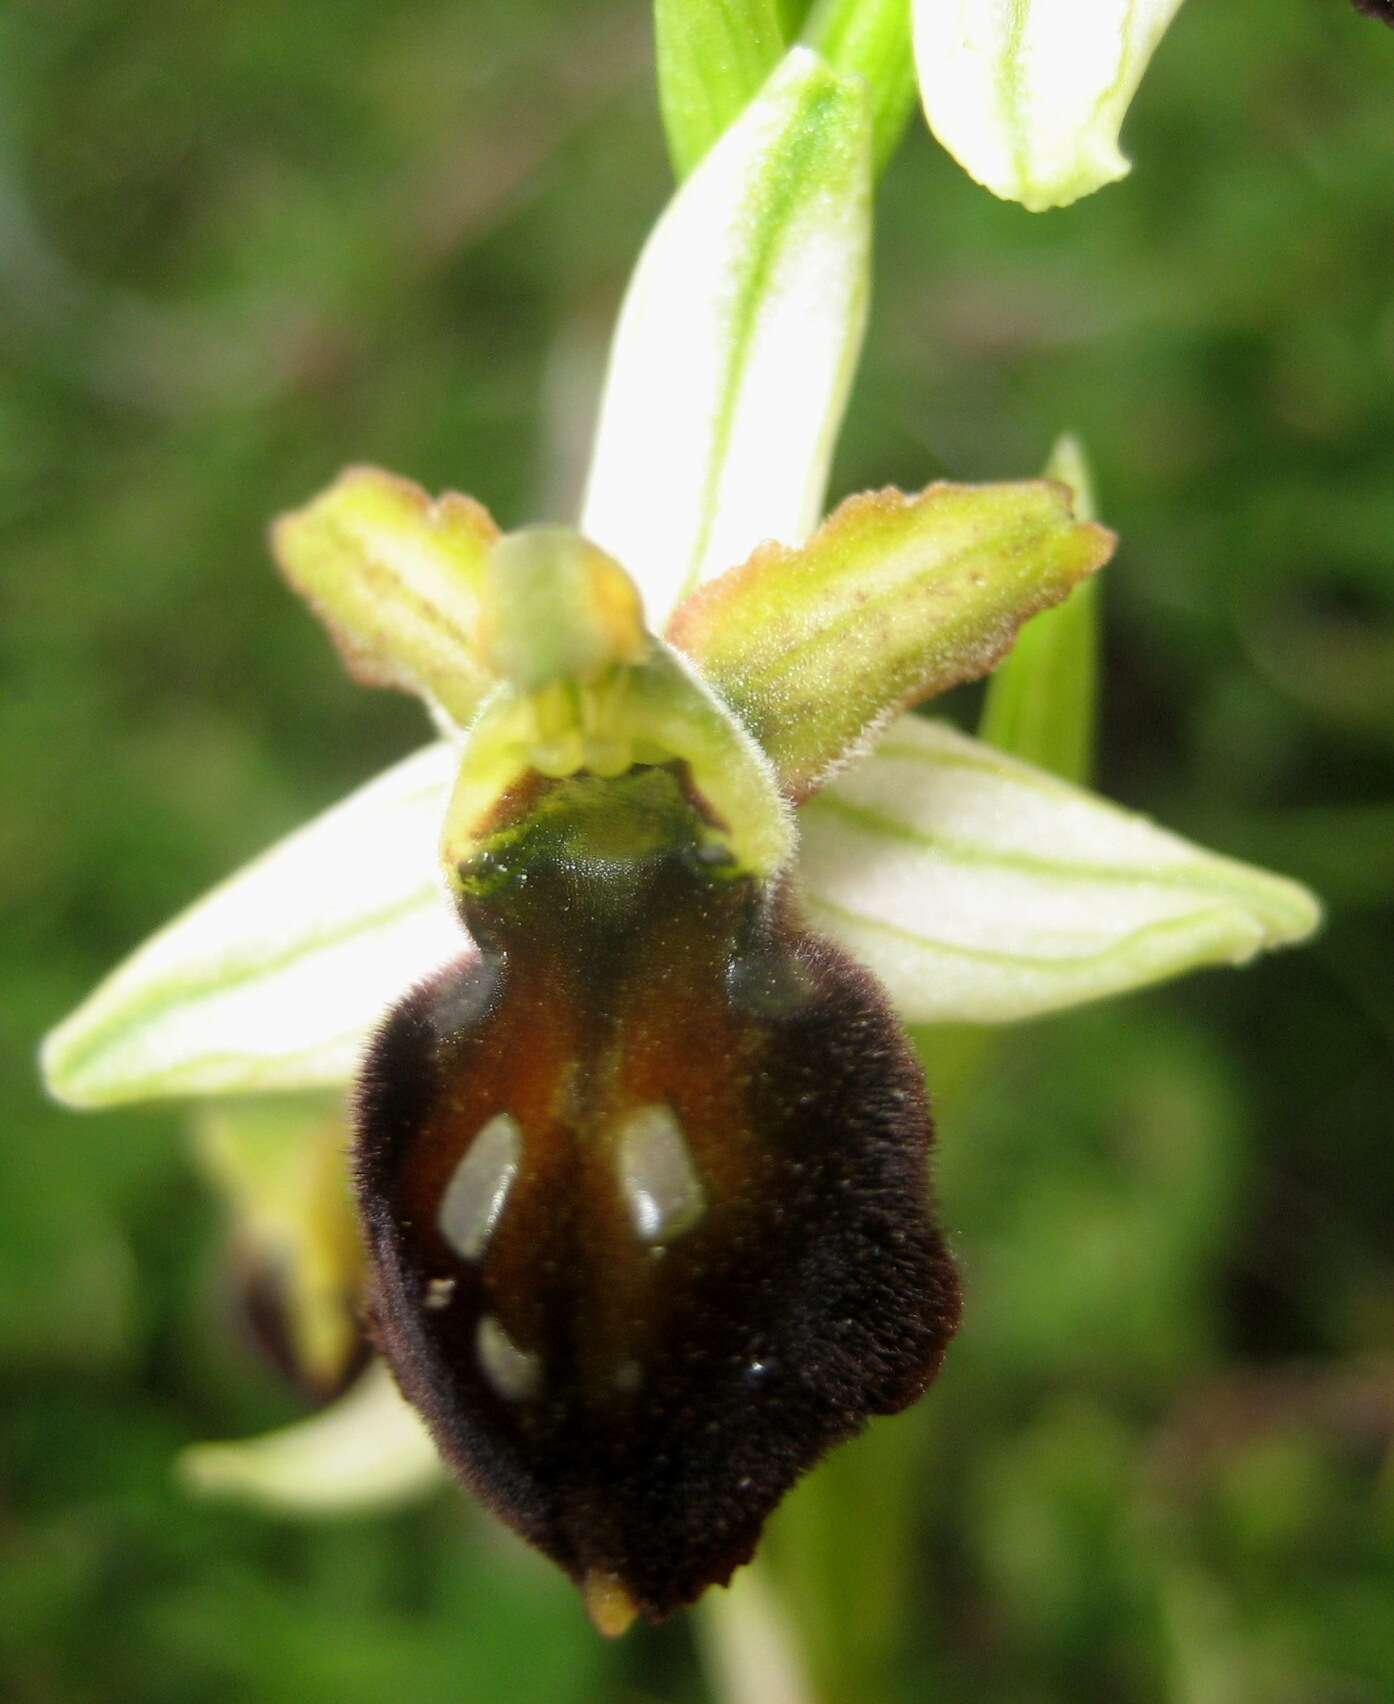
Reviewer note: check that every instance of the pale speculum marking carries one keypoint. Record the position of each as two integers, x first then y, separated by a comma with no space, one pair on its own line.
659,1182
515,1373
474,1198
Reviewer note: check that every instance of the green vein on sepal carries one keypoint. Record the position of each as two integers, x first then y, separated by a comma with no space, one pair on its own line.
979,889
276,977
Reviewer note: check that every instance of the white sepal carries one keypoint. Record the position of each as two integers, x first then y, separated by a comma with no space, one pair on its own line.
737,340
368,1450
1029,95
275,979
982,890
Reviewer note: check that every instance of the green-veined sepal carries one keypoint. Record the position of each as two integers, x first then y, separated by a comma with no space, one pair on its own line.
275,979
369,1450
981,890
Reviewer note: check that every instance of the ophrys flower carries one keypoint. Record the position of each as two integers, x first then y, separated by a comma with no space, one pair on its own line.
641,1155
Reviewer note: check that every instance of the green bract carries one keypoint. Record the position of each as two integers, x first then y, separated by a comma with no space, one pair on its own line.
1041,703
713,56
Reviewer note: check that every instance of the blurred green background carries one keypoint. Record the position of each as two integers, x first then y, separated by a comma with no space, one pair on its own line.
242,245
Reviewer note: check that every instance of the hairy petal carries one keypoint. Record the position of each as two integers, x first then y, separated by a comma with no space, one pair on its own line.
893,600
736,342
274,979
395,577
980,889
1029,95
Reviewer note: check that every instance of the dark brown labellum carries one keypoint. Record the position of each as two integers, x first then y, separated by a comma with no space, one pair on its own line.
647,1196
1381,9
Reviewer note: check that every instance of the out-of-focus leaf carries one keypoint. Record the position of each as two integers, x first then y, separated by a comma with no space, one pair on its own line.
1042,702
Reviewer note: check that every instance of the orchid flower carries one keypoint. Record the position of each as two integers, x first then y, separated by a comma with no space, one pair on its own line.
619,964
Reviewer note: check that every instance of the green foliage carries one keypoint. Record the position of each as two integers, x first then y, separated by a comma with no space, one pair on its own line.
241,247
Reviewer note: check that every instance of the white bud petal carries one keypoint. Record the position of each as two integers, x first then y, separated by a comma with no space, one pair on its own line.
1029,95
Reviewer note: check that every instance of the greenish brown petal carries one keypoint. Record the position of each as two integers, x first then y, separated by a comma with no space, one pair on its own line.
893,600
394,575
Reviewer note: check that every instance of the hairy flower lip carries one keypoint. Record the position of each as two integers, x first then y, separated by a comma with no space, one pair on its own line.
592,1394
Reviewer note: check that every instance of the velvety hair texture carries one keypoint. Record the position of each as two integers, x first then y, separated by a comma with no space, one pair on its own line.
661,1394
